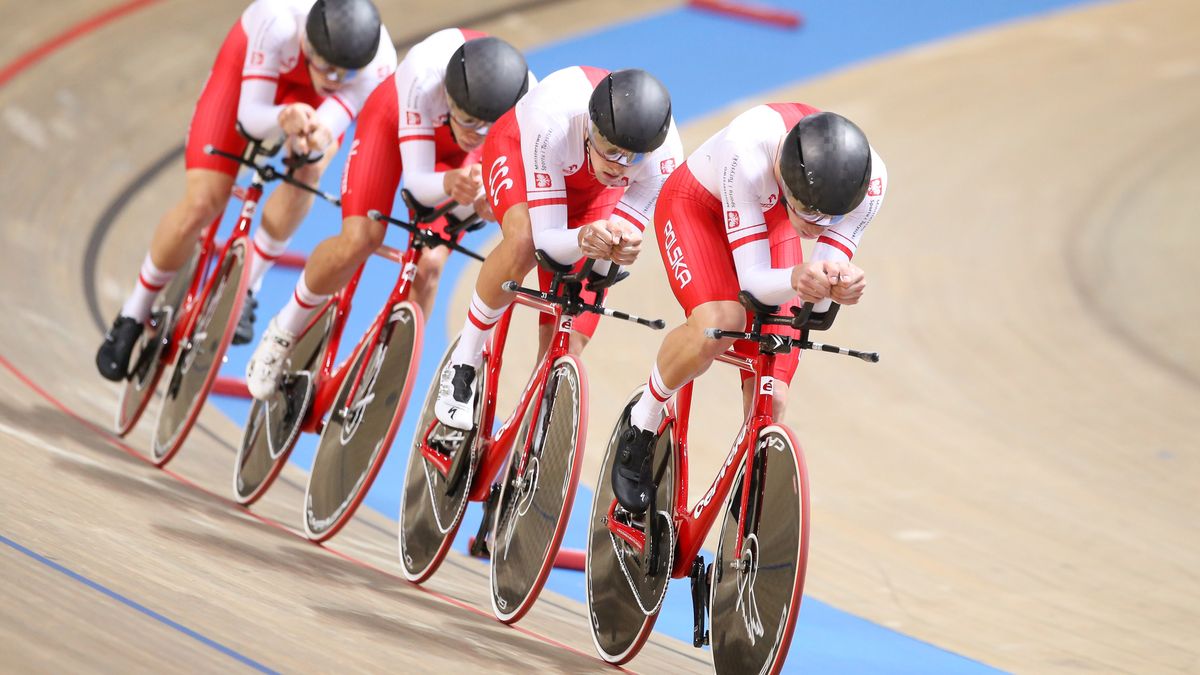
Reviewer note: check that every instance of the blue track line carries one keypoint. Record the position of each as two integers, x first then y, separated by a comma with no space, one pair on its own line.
208,642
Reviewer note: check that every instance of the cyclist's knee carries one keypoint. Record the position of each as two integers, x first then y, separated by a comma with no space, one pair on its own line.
202,204
362,236
721,315
429,269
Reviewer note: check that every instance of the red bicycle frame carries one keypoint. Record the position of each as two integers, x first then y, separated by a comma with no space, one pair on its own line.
693,524
189,312
495,447
329,377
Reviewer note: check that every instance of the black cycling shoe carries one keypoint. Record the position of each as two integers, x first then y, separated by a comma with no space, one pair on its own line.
245,328
112,359
631,479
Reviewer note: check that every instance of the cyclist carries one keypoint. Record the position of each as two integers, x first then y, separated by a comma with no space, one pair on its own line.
731,218
575,170
429,121
291,66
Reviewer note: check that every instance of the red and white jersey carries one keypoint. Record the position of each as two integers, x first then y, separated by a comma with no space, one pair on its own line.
554,123
274,31
737,165
423,107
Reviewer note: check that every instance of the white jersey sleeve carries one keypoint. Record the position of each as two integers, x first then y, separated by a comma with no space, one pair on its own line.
271,32
421,99
637,204
744,153
543,138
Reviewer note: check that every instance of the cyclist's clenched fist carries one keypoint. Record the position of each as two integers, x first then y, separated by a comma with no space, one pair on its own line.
464,185
612,240
820,279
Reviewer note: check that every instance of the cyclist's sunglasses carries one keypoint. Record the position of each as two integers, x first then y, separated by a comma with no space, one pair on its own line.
611,152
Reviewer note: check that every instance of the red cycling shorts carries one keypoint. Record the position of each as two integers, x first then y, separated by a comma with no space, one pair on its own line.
373,168
588,200
691,238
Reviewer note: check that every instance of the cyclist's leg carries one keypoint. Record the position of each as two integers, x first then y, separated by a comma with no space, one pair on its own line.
513,258
692,244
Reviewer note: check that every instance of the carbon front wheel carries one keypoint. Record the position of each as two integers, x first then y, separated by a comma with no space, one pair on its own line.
756,589
362,423
147,358
535,503
199,357
623,598
274,424
432,503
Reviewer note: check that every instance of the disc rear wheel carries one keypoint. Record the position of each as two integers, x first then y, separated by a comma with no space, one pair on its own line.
362,423
756,588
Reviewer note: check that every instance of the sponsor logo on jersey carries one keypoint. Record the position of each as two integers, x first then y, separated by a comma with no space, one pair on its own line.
541,180
772,199
666,166
498,179
257,58
876,187
679,269
732,221
412,118
571,169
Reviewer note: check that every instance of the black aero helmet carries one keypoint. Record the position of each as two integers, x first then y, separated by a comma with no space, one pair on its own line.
485,77
344,32
826,163
632,110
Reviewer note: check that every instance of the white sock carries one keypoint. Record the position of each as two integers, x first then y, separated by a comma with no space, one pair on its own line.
647,412
265,250
476,331
150,281
296,313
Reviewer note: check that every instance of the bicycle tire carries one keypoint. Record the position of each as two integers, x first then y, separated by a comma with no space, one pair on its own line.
754,607
620,620
273,426
429,517
531,517
355,443
147,355
198,359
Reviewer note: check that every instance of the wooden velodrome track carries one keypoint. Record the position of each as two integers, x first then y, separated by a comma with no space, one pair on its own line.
1018,481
